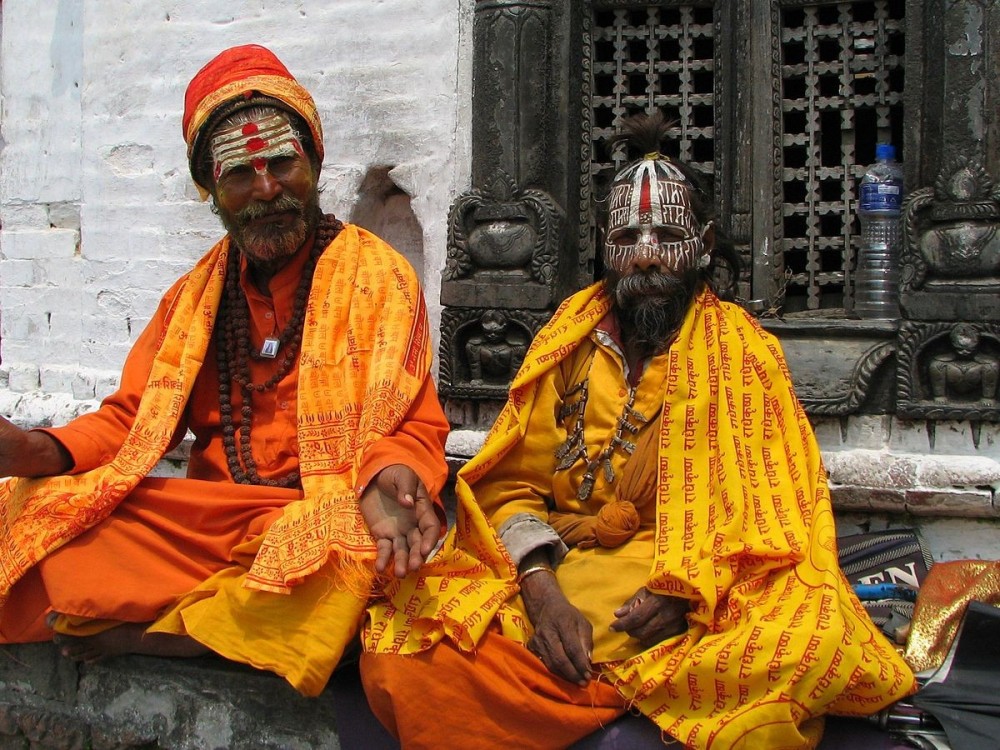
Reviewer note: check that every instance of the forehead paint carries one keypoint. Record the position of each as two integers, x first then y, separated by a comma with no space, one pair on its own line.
648,198
655,188
254,143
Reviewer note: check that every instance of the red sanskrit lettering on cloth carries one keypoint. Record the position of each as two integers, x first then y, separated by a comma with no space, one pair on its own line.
346,410
775,634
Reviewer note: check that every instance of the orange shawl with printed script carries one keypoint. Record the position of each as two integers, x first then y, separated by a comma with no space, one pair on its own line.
744,532
364,356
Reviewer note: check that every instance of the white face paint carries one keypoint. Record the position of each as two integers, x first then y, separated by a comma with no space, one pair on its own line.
650,218
266,142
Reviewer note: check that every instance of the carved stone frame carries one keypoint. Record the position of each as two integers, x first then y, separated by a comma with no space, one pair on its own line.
532,145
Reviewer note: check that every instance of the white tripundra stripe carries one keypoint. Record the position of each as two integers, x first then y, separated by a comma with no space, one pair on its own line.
230,144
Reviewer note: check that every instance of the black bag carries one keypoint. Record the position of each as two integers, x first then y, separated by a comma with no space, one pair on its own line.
886,569
964,693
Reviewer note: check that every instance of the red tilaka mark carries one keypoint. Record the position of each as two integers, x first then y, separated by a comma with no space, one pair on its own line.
298,147
258,164
644,201
256,144
250,129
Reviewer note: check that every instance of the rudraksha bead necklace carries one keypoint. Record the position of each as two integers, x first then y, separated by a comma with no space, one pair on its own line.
233,354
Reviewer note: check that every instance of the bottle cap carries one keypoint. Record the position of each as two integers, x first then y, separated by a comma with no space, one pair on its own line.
885,151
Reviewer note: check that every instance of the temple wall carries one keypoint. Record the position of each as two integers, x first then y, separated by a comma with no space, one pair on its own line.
99,215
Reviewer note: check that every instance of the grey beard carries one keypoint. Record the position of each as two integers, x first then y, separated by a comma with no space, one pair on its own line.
651,306
268,246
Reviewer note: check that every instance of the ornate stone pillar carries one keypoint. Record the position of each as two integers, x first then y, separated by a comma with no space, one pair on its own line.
949,345
505,234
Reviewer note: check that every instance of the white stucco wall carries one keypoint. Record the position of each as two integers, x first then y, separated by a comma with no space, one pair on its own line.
99,214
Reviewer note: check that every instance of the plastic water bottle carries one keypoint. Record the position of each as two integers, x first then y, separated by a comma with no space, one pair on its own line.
876,281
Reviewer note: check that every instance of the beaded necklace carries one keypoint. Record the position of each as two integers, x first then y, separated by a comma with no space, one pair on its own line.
233,354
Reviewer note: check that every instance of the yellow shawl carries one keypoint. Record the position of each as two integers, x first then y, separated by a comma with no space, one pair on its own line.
744,531
364,357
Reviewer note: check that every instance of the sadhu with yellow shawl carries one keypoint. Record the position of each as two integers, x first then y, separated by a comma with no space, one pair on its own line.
647,527
297,354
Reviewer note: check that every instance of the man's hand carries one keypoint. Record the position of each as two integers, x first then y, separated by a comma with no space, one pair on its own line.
650,618
563,637
30,454
400,516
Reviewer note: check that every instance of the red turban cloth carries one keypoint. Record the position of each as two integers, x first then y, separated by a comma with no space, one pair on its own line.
243,72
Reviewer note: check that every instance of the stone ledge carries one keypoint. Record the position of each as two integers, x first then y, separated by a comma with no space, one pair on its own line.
50,703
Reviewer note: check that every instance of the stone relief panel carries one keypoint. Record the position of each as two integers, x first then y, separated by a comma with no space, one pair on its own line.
949,370
482,349
951,246
502,247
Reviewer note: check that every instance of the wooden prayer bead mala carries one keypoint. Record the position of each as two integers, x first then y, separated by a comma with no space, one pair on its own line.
233,354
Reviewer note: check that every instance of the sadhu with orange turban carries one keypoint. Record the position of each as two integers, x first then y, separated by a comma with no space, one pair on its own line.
647,527
315,466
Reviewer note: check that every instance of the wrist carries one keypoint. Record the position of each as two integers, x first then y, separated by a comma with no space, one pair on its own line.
538,591
527,571
44,455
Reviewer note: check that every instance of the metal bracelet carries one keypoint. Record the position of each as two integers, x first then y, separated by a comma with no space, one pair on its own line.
531,571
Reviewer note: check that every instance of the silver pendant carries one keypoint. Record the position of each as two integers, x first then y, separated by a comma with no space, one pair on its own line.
270,348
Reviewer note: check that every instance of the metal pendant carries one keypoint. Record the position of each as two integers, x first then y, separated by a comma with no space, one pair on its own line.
270,348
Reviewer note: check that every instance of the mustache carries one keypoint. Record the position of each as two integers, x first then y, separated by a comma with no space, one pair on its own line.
628,288
261,209
651,306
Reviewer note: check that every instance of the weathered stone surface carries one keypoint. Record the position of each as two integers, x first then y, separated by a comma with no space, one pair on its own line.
867,468
174,704
854,498
965,503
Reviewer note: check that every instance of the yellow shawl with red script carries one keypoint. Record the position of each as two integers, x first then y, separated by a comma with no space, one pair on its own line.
365,355
744,531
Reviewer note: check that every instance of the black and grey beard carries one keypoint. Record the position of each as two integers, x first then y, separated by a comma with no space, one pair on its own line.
650,307
269,246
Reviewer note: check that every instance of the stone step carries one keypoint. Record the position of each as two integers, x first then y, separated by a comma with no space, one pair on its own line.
48,702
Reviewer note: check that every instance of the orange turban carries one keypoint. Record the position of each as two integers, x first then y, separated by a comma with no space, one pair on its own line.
243,73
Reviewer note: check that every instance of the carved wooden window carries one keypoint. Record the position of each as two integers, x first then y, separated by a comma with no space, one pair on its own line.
656,58
782,101
841,91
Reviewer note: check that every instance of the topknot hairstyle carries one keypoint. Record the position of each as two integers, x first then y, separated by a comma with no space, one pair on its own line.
644,136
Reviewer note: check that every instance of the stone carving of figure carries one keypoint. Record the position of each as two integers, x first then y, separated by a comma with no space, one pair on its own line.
964,371
494,355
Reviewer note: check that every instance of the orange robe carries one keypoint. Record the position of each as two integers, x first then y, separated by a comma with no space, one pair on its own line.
741,527
171,535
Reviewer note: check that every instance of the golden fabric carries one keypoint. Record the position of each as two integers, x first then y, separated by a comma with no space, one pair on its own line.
348,399
743,529
944,596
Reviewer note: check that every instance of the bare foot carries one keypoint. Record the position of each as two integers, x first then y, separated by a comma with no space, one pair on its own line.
128,638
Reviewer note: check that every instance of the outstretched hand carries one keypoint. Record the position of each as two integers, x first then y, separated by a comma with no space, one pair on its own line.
651,618
401,517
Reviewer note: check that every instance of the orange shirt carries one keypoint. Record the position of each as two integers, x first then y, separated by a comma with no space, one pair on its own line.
94,439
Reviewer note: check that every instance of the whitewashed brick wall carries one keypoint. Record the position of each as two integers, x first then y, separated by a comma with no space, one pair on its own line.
98,211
